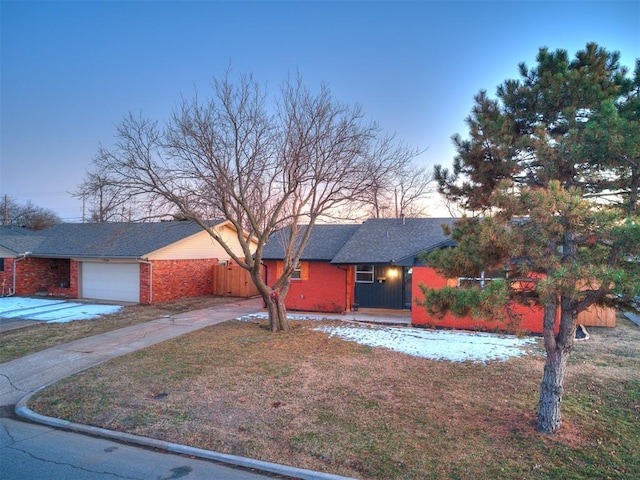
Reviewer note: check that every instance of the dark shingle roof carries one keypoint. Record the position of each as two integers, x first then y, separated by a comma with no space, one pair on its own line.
375,241
394,240
19,240
11,231
123,240
325,242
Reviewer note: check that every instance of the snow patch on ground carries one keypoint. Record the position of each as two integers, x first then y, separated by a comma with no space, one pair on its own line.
454,346
52,311
291,316
436,344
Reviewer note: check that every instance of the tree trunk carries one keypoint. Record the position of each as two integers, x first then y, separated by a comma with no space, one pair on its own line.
551,389
273,298
278,321
558,346
633,189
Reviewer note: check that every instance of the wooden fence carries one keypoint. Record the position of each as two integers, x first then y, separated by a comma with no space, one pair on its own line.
233,281
597,316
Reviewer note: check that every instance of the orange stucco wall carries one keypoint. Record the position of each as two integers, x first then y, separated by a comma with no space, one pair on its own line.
325,290
529,317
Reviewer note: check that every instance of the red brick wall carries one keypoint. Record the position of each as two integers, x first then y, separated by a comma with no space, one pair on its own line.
70,291
324,291
48,276
145,291
530,316
174,279
6,277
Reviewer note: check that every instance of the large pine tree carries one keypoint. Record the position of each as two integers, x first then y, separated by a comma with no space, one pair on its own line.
545,170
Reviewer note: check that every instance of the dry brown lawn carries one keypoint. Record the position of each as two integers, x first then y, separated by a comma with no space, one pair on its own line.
304,399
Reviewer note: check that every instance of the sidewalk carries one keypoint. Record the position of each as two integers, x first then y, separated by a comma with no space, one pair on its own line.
22,377
634,317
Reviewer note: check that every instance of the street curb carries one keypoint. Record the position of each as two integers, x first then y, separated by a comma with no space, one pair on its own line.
23,411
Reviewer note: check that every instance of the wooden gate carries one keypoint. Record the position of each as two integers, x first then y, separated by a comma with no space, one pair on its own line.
233,281
597,316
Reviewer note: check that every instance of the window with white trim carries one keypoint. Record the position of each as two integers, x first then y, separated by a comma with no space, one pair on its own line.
300,273
364,274
297,273
482,280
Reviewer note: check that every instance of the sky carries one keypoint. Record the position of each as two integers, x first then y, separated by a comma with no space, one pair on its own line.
71,70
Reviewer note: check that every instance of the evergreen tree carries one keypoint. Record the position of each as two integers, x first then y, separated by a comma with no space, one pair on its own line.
537,170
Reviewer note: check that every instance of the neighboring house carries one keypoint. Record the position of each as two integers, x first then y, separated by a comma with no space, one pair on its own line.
377,264
14,241
132,262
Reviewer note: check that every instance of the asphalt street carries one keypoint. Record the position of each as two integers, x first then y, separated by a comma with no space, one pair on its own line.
32,451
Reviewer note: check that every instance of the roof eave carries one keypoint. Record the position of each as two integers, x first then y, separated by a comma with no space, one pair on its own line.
81,257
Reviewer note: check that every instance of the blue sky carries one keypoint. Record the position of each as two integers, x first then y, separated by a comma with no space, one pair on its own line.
70,70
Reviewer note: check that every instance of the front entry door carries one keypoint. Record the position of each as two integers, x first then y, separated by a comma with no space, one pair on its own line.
385,289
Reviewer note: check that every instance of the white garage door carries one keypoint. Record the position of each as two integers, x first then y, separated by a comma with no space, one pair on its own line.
111,281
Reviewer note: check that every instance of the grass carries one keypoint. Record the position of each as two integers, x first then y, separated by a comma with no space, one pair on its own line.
304,399
23,341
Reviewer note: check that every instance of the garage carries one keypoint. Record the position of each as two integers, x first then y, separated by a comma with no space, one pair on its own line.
111,281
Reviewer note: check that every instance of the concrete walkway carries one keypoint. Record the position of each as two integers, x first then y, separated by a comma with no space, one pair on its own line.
634,317
22,377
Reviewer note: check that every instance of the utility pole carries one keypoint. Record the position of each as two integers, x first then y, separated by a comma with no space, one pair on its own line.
6,211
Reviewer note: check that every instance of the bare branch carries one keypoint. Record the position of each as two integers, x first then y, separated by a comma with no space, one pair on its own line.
262,166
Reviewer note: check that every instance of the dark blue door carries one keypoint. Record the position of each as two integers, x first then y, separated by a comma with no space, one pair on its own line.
385,290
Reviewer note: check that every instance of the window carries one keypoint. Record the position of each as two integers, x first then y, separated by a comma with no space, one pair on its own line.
1,264
297,273
364,273
300,273
524,286
482,280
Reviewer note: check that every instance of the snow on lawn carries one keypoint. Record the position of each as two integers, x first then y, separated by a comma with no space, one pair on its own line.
52,311
435,344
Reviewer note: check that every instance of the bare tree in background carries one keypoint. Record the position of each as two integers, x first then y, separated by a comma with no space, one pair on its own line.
28,215
262,165
412,186
103,200
402,189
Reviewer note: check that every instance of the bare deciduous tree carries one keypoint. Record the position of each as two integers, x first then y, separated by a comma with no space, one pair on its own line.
412,186
263,166
103,199
402,189
27,215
